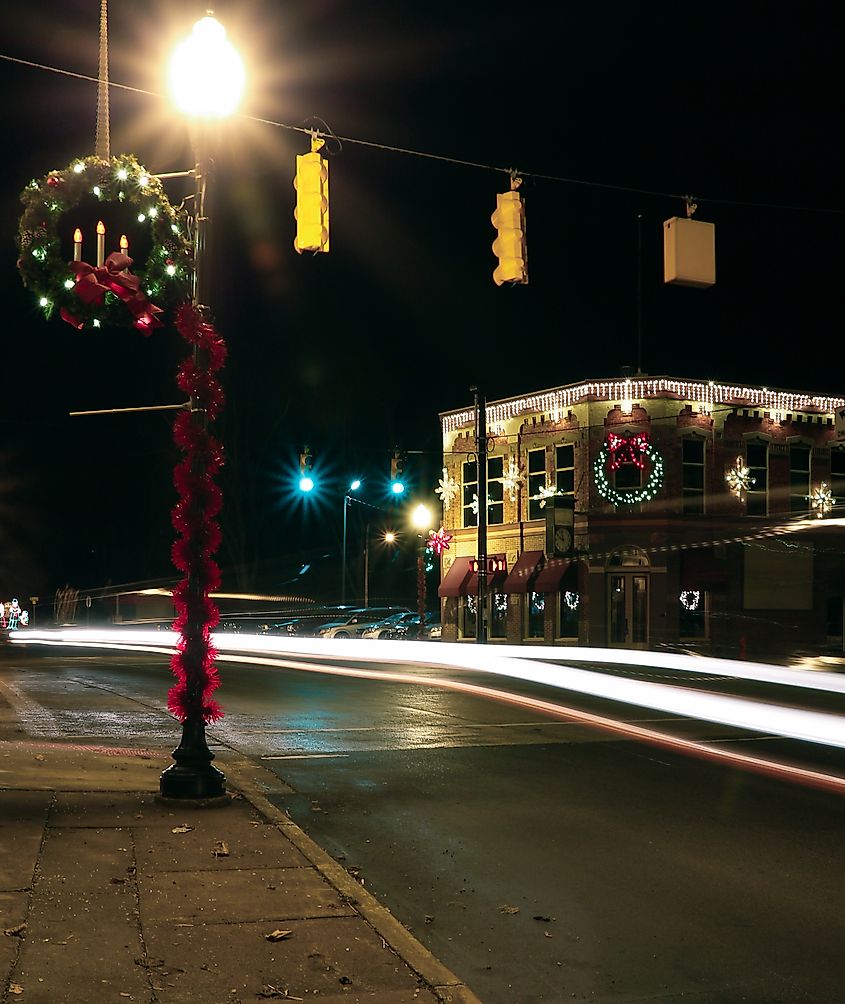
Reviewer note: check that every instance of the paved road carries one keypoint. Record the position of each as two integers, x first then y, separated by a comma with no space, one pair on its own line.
541,860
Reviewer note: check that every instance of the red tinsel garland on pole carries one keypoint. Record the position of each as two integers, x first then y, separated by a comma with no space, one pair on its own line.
194,517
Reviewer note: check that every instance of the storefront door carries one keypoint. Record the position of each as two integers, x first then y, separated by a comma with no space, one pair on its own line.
627,609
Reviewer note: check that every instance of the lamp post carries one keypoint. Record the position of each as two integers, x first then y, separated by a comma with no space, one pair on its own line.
347,499
206,81
421,518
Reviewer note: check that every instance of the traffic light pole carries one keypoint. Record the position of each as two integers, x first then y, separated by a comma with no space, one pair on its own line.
481,465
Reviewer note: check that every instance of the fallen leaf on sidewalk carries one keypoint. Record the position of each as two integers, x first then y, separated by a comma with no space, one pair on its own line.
221,849
278,935
15,988
184,828
118,881
15,932
539,916
506,908
39,756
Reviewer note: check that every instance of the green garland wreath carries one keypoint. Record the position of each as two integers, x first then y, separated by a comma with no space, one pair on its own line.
165,277
635,495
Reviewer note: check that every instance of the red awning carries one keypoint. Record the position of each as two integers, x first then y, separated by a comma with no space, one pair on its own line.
526,567
455,579
551,578
494,579
701,568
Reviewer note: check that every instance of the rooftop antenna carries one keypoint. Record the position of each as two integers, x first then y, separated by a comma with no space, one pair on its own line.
102,145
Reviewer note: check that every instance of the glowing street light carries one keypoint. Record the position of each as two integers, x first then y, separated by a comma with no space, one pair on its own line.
206,75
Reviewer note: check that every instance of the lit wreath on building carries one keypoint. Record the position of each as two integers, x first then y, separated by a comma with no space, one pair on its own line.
636,450
102,289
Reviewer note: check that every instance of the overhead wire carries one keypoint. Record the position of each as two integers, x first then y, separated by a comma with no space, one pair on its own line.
457,161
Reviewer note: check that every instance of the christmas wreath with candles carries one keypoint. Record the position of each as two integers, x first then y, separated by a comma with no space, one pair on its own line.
97,287
636,450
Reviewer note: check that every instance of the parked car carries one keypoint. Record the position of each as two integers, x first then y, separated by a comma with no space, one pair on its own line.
356,622
380,628
410,631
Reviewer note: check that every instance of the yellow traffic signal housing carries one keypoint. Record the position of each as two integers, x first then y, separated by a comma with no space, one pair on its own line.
509,245
312,200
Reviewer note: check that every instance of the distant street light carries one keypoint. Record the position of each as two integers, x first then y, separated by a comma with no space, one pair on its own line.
206,82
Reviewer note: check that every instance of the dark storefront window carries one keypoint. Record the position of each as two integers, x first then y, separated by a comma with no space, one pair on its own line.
499,620
569,606
495,490
693,614
534,613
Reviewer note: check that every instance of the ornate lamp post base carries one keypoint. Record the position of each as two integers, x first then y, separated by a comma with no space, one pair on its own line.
193,776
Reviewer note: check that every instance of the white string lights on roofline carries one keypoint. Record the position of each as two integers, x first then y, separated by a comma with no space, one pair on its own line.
557,401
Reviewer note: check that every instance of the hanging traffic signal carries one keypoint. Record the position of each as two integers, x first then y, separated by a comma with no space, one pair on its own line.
509,245
312,199
397,472
306,465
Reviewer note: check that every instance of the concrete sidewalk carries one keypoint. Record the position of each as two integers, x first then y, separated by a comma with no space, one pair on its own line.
108,896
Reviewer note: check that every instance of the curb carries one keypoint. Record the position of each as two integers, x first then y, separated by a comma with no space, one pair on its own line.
448,987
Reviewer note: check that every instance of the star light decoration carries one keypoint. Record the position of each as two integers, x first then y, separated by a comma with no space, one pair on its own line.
438,541
513,479
822,500
739,478
447,489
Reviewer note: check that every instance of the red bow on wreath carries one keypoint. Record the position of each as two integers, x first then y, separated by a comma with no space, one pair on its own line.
114,276
627,450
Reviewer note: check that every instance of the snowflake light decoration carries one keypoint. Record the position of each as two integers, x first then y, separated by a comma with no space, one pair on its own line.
821,500
447,489
474,504
545,493
438,540
739,478
513,479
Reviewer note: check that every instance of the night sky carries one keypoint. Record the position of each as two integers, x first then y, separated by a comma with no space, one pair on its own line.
738,105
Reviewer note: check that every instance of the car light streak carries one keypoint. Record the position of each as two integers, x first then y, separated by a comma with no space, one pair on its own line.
626,730
789,722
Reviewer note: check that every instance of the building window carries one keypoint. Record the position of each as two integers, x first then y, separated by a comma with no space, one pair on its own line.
837,477
467,618
692,474
536,481
627,477
535,608
569,603
693,614
495,490
799,477
470,483
757,461
565,468
499,620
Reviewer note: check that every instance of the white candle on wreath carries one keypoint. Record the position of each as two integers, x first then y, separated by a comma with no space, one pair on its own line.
101,243
77,245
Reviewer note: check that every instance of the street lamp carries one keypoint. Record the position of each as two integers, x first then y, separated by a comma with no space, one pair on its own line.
206,78
422,519
354,485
